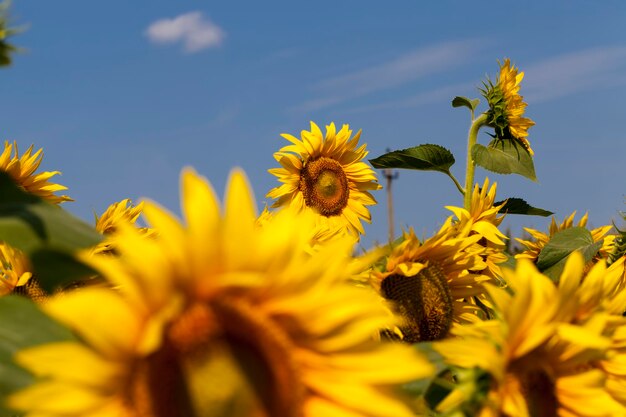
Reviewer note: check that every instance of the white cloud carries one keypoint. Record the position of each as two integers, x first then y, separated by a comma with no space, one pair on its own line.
439,95
563,75
192,29
406,68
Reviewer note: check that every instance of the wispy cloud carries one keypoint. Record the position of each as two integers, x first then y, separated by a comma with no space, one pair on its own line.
406,68
193,30
438,95
563,75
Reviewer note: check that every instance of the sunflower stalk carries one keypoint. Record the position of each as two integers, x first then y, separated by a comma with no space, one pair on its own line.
479,122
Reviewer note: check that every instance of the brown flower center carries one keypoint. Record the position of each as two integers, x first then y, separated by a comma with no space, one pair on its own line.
324,185
538,389
423,300
216,358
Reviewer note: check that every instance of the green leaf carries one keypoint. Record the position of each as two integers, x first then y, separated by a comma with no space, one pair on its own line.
553,256
46,233
30,226
426,157
516,205
55,269
22,325
460,101
418,387
505,156
438,390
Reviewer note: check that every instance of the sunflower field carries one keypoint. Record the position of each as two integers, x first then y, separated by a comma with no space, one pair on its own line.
231,311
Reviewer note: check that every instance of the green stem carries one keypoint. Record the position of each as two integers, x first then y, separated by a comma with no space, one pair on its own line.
470,167
456,182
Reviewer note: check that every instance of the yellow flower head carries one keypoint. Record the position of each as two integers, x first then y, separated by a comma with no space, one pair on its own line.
116,212
482,219
507,107
545,347
326,175
217,316
14,269
16,276
538,240
429,282
106,224
22,171
320,234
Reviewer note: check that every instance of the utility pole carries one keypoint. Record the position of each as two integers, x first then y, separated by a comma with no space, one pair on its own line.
390,175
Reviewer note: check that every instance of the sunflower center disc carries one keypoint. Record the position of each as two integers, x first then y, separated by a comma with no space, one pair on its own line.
423,300
324,185
251,354
538,389
265,350
327,185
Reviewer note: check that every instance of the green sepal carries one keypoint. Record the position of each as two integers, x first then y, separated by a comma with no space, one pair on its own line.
460,101
505,156
516,205
47,234
22,325
619,246
426,157
553,256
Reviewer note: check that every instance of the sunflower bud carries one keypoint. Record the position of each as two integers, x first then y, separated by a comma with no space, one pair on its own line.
506,106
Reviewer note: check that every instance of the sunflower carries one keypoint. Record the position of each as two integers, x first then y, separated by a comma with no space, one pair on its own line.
482,219
319,235
326,175
507,106
429,283
611,282
618,267
219,317
124,209
22,170
544,349
106,224
538,240
16,275
15,270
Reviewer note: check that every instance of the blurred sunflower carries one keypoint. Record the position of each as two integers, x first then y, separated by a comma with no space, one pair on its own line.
16,275
14,269
610,282
326,175
544,349
116,212
220,317
506,106
539,239
429,283
22,171
106,224
320,234
482,219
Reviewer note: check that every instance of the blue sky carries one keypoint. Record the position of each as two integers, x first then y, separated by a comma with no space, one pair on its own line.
120,108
